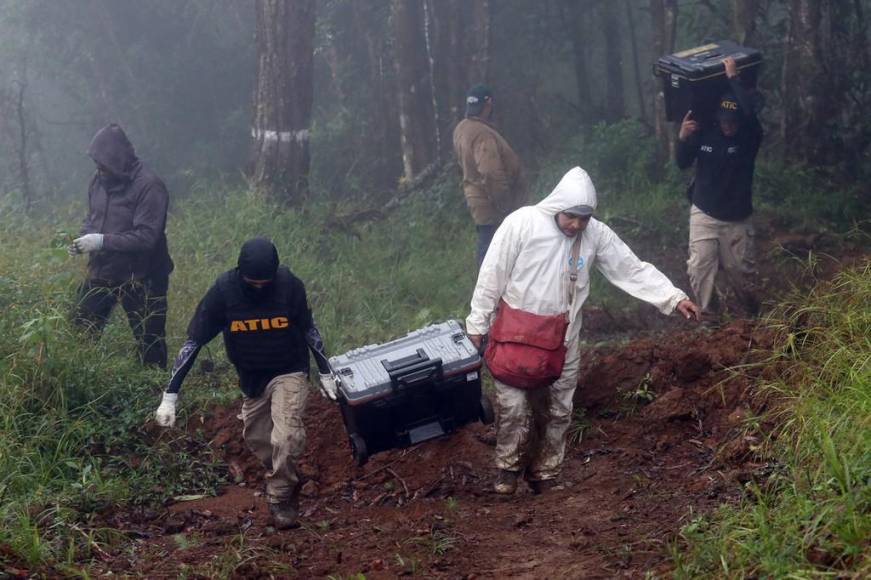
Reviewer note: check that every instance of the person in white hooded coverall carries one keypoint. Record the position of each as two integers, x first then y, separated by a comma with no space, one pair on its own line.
527,266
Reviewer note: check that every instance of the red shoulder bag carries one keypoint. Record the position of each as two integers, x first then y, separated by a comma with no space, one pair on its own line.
526,350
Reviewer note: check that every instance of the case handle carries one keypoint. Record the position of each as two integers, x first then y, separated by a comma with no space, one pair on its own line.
397,365
412,370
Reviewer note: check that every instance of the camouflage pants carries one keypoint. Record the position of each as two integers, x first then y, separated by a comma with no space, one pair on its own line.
546,413
274,431
716,244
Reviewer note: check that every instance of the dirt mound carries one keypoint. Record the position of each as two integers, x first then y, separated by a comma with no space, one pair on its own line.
676,372
662,435
328,468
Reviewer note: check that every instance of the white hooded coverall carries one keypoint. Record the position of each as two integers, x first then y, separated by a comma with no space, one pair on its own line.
527,265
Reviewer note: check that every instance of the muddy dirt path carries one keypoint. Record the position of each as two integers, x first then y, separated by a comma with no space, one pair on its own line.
667,434
664,439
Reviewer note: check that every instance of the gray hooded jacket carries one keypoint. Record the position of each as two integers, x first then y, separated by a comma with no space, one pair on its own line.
129,209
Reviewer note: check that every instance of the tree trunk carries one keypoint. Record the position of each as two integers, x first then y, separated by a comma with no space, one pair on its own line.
458,34
441,38
23,156
860,38
664,14
283,97
745,12
574,14
436,93
417,129
636,67
863,55
859,99
615,107
477,38
803,84
382,125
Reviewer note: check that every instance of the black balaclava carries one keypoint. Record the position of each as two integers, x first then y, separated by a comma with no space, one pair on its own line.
258,260
111,148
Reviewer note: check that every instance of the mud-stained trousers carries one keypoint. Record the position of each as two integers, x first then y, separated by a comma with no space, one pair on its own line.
274,432
547,412
715,244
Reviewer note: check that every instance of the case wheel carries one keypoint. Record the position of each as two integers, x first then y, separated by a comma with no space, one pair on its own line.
358,449
486,411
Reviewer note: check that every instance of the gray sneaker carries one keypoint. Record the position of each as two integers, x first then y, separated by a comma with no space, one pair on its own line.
506,482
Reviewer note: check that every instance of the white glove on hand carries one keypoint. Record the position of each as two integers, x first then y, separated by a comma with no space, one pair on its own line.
329,388
165,414
87,243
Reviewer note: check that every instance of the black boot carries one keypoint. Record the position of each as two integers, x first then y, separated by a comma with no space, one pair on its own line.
540,486
285,514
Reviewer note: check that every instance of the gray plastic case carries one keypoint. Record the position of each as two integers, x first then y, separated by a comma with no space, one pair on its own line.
363,372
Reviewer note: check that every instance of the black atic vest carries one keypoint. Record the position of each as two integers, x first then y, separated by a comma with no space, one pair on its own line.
263,336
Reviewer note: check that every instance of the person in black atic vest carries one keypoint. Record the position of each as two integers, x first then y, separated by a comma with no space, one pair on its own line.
262,311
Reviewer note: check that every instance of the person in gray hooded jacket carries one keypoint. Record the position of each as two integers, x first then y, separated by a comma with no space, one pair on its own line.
123,235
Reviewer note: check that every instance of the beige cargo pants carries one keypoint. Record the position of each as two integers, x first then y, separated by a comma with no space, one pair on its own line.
274,432
715,244
547,412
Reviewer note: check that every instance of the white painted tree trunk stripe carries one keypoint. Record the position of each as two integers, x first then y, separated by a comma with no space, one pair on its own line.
300,136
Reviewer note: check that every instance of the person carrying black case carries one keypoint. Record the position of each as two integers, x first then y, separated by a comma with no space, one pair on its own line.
721,232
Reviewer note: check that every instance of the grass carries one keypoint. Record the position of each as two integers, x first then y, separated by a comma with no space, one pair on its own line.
578,427
71,418
812,517
75,430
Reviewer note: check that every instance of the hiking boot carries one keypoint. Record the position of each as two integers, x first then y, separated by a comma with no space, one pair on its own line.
285,515
540,486
506,482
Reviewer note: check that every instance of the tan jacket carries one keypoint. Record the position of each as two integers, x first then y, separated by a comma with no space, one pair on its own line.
493,180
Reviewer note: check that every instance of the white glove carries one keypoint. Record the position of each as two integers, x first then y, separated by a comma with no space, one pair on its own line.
87,243
329,388
165,414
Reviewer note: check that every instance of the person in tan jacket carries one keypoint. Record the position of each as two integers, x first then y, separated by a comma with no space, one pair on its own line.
493,180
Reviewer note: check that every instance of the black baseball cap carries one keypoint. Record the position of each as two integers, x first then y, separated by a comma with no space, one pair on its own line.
475,99
729,109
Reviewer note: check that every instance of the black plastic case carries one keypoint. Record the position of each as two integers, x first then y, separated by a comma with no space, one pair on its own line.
423,385
696,78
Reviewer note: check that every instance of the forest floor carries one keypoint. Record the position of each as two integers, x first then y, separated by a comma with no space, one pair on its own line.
664,431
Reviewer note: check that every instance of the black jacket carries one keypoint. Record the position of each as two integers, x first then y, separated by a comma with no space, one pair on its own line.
723,184
265,335
129,210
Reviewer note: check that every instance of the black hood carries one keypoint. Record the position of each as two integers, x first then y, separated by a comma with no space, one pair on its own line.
258,259
111,148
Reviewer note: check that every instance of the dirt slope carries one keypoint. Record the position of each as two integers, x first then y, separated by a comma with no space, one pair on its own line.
668,434
641,471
